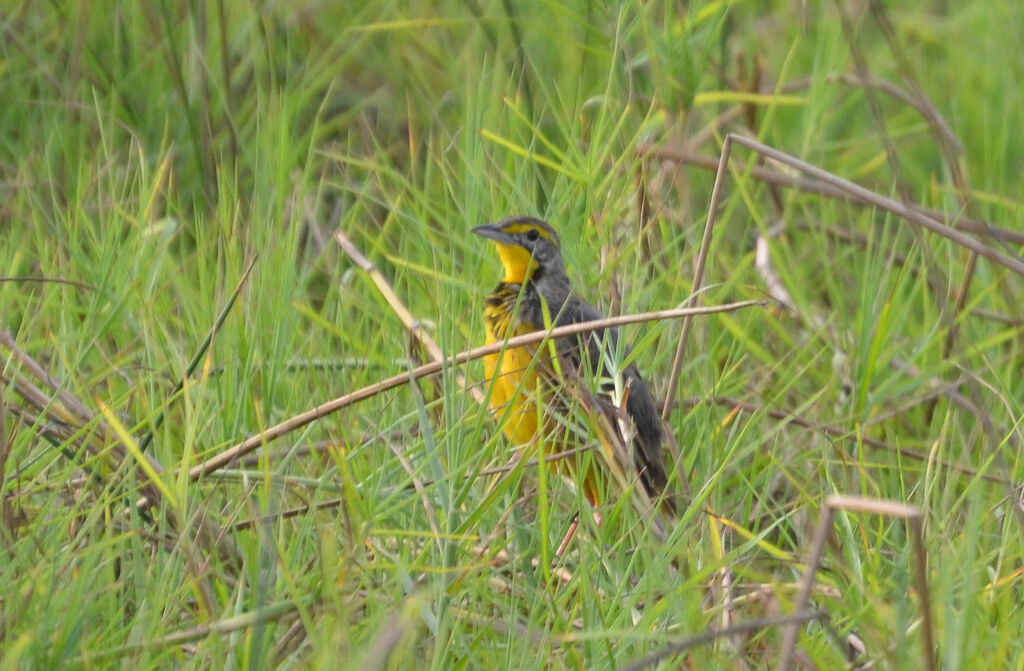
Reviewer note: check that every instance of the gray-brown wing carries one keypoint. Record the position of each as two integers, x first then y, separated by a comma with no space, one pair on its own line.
647,449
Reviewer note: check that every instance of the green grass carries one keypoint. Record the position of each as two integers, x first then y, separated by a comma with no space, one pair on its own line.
150,151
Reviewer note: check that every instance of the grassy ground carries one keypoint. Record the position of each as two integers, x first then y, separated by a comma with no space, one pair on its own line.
150,151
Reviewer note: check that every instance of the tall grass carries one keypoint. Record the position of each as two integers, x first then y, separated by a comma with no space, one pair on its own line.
150,151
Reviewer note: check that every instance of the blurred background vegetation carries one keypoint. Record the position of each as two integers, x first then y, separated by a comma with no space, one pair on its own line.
150,151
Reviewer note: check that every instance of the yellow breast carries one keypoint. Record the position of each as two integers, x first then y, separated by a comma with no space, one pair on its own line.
518,393
516,385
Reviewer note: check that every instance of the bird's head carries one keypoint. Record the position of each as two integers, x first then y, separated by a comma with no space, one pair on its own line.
527,246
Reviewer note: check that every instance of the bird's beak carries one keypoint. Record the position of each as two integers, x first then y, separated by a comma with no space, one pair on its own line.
493,232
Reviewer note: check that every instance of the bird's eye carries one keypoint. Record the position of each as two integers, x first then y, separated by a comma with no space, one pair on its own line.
532,235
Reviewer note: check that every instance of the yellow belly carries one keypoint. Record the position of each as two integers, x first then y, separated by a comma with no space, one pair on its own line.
515,390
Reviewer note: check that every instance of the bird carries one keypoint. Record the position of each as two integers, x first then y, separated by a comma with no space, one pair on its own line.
536,387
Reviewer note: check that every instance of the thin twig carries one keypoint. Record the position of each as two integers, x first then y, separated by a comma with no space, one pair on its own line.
792,632
49,280
391,633
240,622
334,503
906,211
923,593
912,516
698,280
67,414
838,433
952,153
820,188
413,325
885,86
714,634
274,432
1012,263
